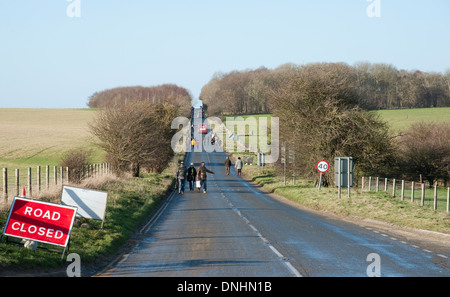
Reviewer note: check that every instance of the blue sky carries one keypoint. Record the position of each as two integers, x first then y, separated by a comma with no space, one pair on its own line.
50,60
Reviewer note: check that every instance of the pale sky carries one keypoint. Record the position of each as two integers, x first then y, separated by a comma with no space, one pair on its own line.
49,59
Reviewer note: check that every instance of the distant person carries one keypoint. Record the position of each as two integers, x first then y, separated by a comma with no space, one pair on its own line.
181,177
227,165
239,164
193,142
201,175
191,176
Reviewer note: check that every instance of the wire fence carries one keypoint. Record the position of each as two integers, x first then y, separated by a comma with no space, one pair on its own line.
437,198
41,178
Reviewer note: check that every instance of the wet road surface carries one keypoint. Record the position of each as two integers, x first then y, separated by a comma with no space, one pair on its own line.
237,231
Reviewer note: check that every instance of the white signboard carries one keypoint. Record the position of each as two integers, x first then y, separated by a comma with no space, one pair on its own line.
91,204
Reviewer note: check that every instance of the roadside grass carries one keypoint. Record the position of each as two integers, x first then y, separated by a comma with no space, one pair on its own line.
379,206
130,201
40,137
364,204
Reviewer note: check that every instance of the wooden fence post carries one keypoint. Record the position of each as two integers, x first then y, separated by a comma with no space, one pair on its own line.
38,175
5,186
17,184
377,186
412,191
393,188
435,197
362,184
55,175
448,200
47,176
385,184
422,197
403,190
30,188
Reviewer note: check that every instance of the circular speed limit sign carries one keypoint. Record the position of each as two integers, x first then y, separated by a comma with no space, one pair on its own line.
323,166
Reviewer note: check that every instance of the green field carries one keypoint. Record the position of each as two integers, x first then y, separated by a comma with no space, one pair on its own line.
401,119
31,137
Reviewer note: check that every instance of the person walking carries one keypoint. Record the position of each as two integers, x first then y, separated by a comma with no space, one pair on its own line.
239,164
181,176
201,176
227,165
191,176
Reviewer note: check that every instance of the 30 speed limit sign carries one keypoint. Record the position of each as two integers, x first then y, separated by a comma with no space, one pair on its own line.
323,166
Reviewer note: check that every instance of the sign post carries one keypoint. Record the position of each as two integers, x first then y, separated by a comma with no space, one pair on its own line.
343,175
322,167
40,221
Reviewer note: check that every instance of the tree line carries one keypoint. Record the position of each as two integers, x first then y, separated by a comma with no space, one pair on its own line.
167,93
324,111
378,86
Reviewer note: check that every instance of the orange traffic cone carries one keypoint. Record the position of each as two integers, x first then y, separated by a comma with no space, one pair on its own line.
24,194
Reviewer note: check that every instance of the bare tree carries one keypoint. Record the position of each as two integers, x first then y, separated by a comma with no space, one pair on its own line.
320,119
135,135
425,150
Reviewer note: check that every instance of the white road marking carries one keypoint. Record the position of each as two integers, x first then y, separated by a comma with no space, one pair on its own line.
283,258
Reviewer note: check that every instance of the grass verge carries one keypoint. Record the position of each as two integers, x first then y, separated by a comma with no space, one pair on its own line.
379,206
130,201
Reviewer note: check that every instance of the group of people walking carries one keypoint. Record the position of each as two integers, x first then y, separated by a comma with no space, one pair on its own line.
193,176
197,177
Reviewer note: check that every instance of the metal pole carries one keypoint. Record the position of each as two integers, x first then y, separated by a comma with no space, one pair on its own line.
348,176
339,178
320,181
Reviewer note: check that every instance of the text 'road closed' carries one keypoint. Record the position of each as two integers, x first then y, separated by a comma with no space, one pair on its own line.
40,221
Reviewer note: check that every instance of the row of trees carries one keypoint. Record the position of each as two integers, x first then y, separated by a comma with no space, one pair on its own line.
167,93
382,86
323,111
320,118
378,86
134,125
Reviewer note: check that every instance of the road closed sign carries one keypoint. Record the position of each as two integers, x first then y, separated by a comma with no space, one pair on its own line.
40,221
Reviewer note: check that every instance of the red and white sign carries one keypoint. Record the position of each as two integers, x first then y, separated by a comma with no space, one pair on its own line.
40,221
202,129
323,166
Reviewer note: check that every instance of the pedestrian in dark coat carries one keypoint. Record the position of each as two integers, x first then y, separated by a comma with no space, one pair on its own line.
201,175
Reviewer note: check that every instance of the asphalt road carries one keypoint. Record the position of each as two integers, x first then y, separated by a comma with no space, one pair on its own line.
235,230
